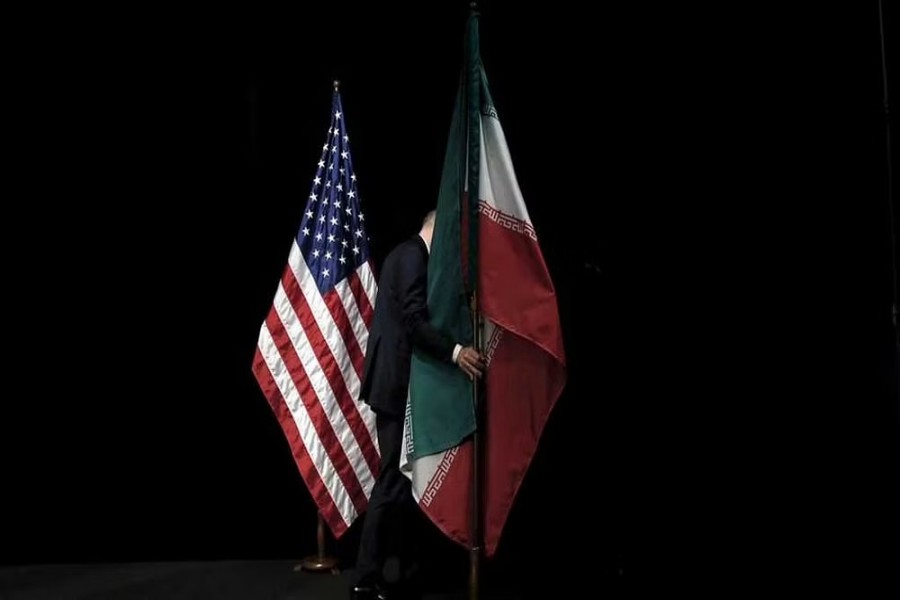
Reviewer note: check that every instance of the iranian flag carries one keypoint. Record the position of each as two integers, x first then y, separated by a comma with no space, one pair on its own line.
484,245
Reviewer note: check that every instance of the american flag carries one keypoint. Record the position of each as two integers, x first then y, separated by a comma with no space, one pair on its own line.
309,357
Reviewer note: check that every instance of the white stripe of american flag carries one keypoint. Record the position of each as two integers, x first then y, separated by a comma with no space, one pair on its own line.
366,277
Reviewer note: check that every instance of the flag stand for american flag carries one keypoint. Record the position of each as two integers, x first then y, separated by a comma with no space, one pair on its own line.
320,562
310,352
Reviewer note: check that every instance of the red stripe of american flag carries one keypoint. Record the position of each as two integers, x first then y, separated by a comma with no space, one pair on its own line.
342,322
362,299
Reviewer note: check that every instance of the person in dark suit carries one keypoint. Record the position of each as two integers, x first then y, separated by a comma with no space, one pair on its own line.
399,325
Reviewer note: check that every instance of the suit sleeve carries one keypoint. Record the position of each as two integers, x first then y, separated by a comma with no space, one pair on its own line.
412,286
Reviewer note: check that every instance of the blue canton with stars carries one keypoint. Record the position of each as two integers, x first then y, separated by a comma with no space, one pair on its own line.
332,236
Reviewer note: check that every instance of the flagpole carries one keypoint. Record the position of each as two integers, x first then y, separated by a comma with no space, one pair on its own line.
477,449
895,308
473,106
320,562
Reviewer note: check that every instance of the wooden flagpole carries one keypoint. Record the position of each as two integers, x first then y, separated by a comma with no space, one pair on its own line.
475,552
320,562
473,103
895,307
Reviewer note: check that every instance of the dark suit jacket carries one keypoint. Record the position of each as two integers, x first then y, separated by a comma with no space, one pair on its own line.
400,323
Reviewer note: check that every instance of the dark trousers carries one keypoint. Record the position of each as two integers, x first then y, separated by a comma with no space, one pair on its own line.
385,539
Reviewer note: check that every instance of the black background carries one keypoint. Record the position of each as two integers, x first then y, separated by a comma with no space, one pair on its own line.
709,188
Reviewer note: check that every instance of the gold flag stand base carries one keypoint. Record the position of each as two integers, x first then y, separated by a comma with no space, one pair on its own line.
320,563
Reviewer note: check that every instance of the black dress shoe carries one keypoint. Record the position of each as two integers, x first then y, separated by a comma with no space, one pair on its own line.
362,592
369,592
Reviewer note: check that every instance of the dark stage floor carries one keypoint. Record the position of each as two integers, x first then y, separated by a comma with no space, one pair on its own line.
225,580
